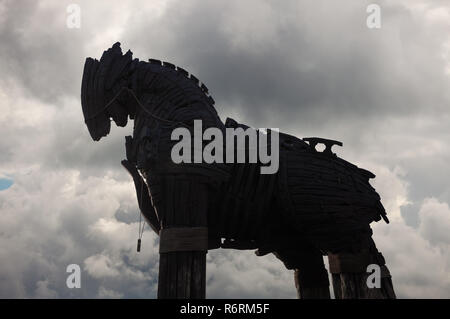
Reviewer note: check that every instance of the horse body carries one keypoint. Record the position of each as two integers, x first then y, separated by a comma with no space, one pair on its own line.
316,204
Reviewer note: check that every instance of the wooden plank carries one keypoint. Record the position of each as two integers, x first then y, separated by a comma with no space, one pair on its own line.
185,206
311,278
198,283
172,275
162,277
349,282
182,269
188,267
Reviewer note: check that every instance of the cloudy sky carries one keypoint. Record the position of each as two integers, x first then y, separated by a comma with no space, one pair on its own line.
310,68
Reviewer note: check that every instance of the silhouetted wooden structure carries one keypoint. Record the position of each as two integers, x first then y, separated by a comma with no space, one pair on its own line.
316,205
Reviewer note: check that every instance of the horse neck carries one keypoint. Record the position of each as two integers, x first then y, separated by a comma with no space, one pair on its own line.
171,94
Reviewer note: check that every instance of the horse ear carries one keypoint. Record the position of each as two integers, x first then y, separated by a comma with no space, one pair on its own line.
120,64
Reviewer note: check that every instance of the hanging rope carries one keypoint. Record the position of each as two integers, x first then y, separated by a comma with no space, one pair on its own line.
173,123
141,230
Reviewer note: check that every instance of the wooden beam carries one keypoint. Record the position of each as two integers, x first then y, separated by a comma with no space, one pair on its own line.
311,280
350,277
182,272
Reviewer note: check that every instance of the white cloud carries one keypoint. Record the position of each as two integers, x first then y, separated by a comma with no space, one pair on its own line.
308,68
435,223
243,274
419,259
43,291
109,294
100,266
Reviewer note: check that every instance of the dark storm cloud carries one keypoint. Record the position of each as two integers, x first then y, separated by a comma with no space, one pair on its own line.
300,59
291,58
37,52
308,67
42,60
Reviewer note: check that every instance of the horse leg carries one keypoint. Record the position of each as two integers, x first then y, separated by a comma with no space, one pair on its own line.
181,204
351,279
311,279
310,274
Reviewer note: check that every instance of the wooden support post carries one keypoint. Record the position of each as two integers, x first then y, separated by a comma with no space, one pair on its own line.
310,274
183,240
311,280
182,275
350,277
182,271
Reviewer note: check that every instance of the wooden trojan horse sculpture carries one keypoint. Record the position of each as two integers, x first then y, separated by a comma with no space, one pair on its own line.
316,204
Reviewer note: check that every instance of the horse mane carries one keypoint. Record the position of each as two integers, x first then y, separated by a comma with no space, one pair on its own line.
180,95
187,75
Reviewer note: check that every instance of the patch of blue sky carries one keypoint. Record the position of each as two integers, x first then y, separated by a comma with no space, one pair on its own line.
5,183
